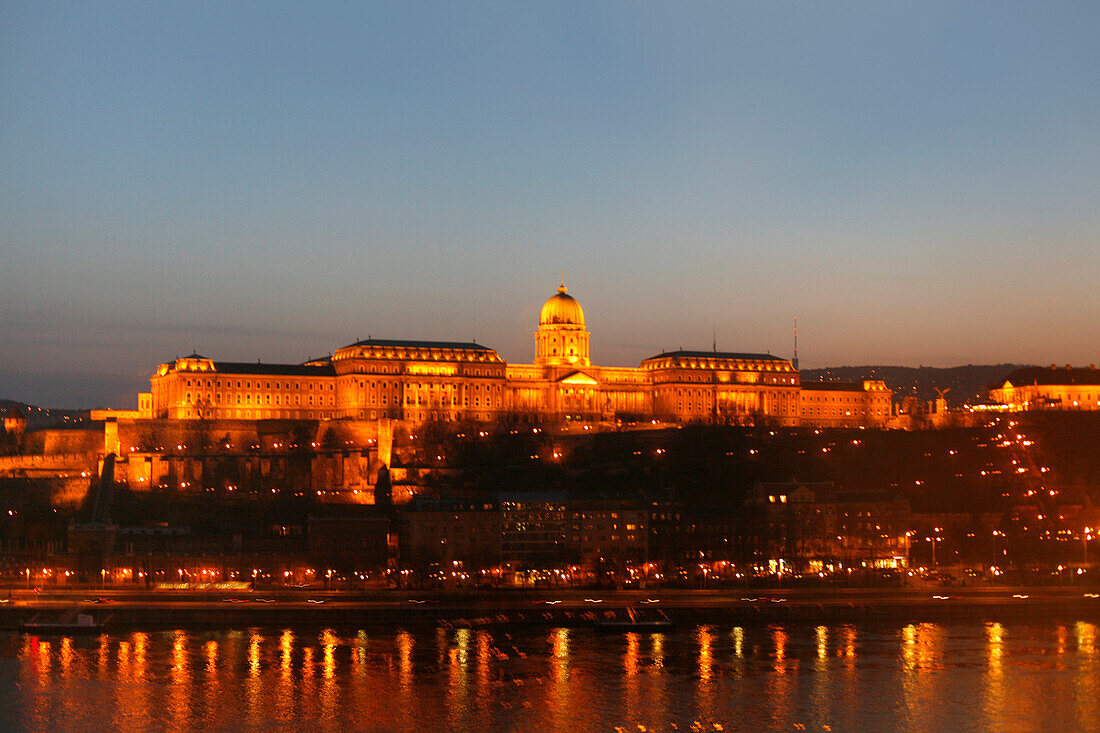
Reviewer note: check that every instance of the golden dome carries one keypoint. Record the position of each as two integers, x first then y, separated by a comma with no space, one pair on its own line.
562,309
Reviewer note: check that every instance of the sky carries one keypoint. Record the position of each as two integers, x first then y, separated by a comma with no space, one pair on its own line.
917,183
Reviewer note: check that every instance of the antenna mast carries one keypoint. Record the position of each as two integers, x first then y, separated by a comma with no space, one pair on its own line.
795,342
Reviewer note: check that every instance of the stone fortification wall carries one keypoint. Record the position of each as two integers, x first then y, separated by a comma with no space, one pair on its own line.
57,464
46,442
149,435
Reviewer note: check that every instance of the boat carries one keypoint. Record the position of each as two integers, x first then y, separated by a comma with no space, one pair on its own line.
72,621
634,620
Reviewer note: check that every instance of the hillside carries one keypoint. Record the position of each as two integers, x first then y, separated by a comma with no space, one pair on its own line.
39,418
968,383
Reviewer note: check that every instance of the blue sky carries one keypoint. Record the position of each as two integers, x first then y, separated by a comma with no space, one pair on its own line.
917,182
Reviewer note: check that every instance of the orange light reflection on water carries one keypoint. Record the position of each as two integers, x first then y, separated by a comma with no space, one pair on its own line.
66,657
287,687
458,687
558,695
180,694
992,676
782,681
405,644
994,689
1086,695
704,698
329,696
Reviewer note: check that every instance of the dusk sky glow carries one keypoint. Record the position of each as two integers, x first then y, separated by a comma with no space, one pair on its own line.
917,182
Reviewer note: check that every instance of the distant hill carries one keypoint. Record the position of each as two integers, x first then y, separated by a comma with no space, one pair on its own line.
968,383
39,418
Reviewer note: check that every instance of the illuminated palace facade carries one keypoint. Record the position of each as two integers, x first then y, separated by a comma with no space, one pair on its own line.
419,381
1053,388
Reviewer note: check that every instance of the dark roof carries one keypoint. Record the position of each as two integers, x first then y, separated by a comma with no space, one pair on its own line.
1053,376
407,344
866,497
717,355
792,485
15,412
830,386
287,370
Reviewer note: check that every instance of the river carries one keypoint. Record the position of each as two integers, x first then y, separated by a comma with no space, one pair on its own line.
1035,676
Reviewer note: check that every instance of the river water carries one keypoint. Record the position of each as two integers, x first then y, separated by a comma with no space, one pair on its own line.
1041,676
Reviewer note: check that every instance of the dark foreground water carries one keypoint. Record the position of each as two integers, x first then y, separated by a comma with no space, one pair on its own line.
924,677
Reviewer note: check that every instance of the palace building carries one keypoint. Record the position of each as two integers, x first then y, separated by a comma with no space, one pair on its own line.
1053,388
419,381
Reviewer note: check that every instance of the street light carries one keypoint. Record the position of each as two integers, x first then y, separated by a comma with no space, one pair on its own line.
934,539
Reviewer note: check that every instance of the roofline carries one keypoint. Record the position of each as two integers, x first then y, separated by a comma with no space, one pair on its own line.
415,344
731,356
302,370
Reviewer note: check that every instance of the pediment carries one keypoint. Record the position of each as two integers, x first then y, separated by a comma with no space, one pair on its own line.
579,378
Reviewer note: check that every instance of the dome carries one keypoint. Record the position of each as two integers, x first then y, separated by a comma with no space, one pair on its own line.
562,309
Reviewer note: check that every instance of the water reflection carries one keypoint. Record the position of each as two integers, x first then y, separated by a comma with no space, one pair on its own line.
1086,639
657,649
706,658
285,683
66,657
359,655
458,657
329,695
920,677
286,652
405,645
920,682
1085,692
210,651
849,634
179,691
704,698
558,696
994,688
42,662
103,656
630,656
254,641
141,643
781,683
